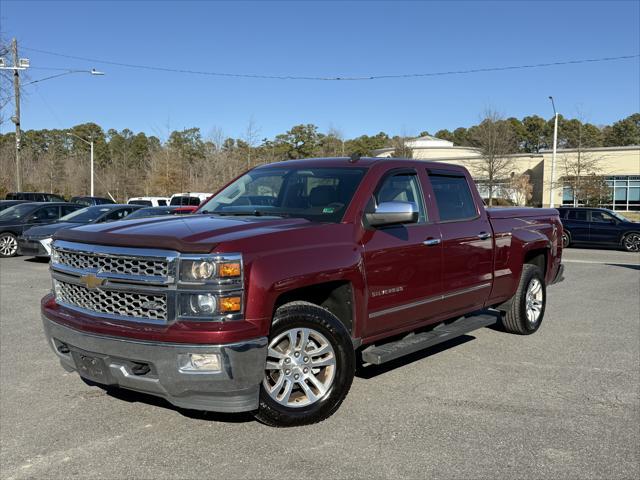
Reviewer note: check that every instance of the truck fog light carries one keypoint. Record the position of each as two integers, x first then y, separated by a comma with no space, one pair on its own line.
203,304
199,362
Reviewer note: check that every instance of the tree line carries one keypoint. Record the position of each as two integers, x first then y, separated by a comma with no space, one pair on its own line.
136,164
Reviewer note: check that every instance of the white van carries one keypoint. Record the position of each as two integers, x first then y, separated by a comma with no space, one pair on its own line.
189,198
149,201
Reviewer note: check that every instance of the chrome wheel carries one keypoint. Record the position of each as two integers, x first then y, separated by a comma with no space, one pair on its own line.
8,246
631,242
534,299
300,369
565,240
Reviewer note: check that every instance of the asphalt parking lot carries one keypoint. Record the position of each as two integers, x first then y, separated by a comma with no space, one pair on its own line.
563,403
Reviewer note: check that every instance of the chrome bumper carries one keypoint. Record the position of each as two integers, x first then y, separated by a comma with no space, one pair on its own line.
235,388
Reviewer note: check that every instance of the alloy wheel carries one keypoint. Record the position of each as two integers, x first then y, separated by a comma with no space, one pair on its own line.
631,242
300,369
8,246
534,300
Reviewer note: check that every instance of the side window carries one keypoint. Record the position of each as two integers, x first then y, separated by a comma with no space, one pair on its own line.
47,213
66,209
402,187
580,215
601,217
117,215
162,203
453,197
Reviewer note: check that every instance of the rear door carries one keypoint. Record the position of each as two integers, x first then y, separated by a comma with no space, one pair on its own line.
403,273
603,228
577,224
466,240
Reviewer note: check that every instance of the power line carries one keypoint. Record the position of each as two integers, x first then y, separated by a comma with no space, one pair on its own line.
335,78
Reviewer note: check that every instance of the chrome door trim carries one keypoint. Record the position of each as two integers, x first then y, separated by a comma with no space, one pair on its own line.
425,301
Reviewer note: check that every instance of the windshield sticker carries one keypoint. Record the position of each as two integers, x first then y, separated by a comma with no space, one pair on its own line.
328,210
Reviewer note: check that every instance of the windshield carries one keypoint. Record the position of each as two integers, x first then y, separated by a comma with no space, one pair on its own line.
150,212
85,215
17,211
618,216
317,194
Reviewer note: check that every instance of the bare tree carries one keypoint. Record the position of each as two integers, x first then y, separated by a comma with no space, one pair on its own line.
521,189
251,137
495,138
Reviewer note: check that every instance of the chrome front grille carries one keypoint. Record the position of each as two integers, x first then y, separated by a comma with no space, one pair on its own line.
118,264
113,302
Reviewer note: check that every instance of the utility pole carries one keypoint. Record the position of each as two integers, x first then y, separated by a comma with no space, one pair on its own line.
16,118
553,157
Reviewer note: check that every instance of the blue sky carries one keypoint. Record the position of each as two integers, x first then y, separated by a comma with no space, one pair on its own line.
317,39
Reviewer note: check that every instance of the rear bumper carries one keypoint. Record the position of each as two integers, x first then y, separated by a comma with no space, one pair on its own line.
234,388
31,248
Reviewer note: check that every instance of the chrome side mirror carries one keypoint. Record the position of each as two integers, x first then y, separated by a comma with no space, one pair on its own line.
393,213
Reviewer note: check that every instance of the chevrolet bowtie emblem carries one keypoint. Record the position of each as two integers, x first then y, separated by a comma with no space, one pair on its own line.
91,281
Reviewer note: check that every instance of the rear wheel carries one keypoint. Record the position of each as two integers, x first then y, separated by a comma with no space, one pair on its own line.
309,369
8,245
631,242
528,304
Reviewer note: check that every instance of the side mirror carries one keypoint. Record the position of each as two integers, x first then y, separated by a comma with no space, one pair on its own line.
393,213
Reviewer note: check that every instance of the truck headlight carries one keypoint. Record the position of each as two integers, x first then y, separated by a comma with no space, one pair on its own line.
207,306
211,269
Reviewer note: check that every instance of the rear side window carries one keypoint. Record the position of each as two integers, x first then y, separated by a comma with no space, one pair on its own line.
162,203
453,197
577,215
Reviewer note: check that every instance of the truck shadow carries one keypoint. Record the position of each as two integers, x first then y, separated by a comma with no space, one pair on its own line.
624,265
138,397
371,371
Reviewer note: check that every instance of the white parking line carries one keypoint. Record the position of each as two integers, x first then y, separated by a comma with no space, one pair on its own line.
609,262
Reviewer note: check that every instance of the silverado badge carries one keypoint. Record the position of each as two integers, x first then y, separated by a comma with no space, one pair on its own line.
91,281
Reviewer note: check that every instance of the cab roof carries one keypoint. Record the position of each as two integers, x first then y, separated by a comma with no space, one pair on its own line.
333,162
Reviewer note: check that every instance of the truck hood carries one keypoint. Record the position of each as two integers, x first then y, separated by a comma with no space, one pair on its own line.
188,234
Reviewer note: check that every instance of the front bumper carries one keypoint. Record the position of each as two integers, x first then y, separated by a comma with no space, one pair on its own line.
235,388
31,248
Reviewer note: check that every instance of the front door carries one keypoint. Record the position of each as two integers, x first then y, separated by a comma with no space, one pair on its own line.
403,262
467,243
603,228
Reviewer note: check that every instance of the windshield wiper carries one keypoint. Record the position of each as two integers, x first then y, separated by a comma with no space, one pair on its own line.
252,213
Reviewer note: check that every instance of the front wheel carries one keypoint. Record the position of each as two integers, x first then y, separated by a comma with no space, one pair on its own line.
566,239
528,304
8,245
309,369
631,242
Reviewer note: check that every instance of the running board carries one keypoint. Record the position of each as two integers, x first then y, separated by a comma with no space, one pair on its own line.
377,354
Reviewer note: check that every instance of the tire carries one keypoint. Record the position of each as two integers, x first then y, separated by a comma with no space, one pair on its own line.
631,242
523,317
566,239
8,245
284,399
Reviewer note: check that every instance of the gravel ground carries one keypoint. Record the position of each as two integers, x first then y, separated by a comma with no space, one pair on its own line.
563,403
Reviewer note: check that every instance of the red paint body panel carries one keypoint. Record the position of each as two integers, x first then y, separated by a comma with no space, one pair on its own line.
389,270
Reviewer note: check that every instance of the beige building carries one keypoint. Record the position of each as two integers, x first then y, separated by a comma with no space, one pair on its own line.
617,167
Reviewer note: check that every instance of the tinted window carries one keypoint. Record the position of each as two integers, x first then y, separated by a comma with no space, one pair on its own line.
403,187
85,215
601,217
146,203
577,215
185,201
453,197
118,214
17,212
47,213
162,203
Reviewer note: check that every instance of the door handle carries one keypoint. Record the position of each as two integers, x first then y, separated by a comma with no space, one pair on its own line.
430,242
484,235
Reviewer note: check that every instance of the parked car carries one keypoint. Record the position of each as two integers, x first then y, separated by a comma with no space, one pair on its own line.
189,198
15,220
36,241
160,211
598,226
265,301
149,201
35,197
89,201
10,203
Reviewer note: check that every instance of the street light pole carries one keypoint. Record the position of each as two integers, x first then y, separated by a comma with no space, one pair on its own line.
553,157
90,143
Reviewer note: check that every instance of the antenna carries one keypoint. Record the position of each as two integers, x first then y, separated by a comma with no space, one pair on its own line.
354,157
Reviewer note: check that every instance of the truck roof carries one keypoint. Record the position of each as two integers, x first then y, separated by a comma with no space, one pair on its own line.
361,162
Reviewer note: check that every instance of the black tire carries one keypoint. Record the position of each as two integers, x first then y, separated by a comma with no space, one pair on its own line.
515,320
631,242
8,245
309,316
566,239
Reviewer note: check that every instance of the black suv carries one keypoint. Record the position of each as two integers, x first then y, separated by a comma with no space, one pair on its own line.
91,201
599,226
35,197
15,220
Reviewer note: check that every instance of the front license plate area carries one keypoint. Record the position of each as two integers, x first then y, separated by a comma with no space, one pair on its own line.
91,367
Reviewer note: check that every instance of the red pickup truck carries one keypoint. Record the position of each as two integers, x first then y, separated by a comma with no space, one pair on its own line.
284,281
